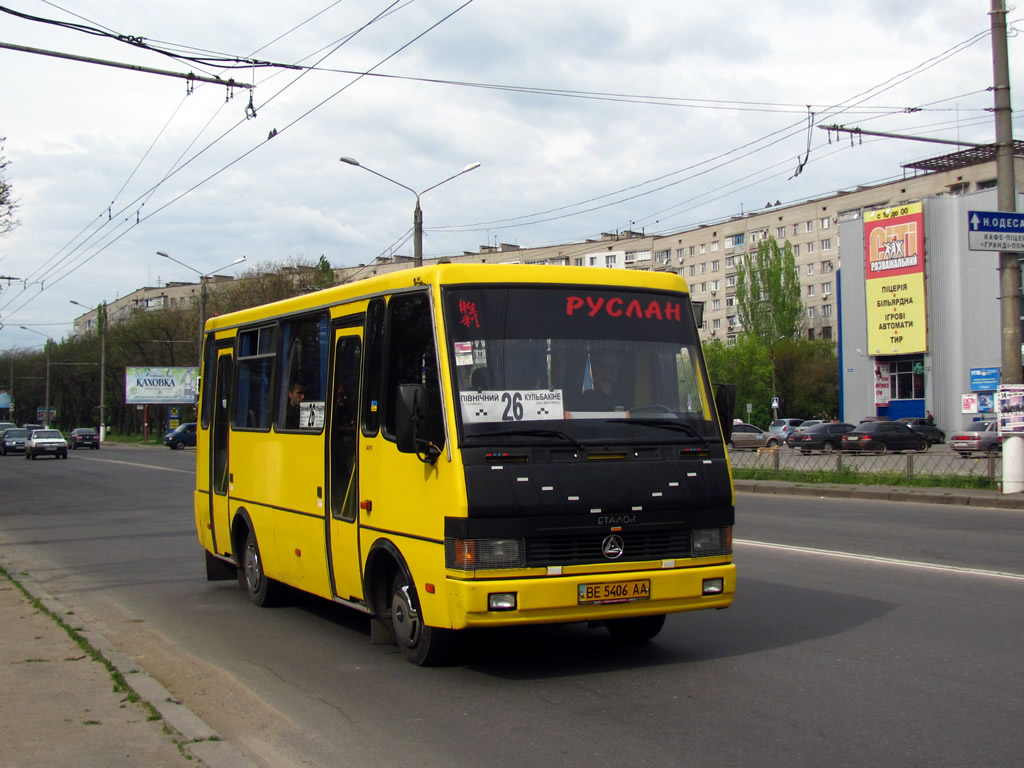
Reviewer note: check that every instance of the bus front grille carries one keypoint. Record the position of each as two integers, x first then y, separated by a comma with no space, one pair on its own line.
575,549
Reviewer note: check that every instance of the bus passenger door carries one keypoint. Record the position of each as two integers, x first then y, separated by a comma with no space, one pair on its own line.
219,443
343,466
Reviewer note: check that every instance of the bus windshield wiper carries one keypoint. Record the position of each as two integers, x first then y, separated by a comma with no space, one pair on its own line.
678,426
542,433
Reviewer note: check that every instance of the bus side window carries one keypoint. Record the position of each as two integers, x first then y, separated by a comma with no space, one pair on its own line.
412,359
305,346
373,367
252,383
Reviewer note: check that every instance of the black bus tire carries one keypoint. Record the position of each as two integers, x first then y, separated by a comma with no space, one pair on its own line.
423,645
263,591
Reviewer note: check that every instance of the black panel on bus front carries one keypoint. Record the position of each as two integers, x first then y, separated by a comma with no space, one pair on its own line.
613,486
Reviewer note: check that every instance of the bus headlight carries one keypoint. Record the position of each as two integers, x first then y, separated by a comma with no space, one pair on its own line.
712,541
478,554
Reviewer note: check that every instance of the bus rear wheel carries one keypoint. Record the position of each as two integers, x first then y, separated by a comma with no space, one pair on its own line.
421,644
635,630
263,591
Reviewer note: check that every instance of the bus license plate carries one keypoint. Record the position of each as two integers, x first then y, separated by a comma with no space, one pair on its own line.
615,592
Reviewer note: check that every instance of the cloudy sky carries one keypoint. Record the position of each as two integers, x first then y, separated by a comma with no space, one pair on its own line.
587,116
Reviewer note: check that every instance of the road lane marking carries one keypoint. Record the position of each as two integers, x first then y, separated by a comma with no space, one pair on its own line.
883,560
147,466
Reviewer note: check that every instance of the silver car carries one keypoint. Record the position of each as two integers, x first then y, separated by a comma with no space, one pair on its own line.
749,436
983,437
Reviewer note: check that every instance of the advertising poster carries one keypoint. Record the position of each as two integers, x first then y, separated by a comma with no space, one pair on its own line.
894,280
881,383
168,386
1010,407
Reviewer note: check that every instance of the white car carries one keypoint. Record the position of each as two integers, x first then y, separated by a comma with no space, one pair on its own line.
46,442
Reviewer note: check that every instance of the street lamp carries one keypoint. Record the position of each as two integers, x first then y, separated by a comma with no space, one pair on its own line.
101,321
417,214
202,293
46,405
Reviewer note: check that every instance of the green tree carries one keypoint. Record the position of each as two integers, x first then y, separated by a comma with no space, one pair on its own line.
8,203
744,363
768,295
324,277
808,377
768,298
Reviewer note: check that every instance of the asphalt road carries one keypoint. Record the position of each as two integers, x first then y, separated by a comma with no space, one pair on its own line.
862,633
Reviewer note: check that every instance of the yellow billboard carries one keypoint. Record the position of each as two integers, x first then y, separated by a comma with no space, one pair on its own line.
894,280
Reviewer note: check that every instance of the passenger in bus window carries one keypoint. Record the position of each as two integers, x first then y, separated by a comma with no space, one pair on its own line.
296,394
605,391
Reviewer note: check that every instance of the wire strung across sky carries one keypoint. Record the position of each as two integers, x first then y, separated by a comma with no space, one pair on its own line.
117,226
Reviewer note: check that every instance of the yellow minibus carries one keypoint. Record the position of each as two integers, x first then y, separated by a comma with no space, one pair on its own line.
470,445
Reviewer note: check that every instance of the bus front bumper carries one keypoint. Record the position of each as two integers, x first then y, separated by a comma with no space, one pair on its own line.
588,597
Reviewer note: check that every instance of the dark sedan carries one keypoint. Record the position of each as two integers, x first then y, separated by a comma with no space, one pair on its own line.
824,436
84,437
884,436
14,440
926,428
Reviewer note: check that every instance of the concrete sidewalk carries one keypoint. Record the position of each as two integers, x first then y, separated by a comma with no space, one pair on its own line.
61,705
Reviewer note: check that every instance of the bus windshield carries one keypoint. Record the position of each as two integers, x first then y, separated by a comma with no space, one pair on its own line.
578,363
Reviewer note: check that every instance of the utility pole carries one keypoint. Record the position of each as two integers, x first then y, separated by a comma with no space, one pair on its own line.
1009,263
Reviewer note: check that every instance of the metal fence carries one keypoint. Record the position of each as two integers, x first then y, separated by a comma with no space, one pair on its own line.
939,461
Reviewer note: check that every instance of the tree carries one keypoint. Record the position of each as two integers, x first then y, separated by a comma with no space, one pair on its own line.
324,277
808,377
768,293
744,363
8,204
768,296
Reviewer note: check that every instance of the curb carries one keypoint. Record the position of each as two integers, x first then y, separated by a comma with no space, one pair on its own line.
195,737
965,497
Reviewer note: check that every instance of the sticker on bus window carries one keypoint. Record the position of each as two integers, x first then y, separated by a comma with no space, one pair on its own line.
463,353
511,405
311,414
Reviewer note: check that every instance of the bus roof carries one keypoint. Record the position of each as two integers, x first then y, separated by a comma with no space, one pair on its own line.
444,274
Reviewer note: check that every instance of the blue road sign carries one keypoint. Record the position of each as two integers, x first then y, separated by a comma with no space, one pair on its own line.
995,231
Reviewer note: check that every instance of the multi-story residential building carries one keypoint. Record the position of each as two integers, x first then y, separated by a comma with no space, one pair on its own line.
173,295
707,256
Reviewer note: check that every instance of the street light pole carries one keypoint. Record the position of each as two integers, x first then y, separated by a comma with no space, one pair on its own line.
202,293
417,214
46,405
101,322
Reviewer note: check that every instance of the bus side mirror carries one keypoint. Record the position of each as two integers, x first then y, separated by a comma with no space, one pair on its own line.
725,404
410,422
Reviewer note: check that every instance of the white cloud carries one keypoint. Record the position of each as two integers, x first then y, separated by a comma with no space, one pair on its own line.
78,133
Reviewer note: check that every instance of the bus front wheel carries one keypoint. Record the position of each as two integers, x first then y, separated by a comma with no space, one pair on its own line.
263,591
421,644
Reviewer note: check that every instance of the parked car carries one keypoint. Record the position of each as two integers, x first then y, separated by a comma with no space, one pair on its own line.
13,440
981,437
184,435
925,427
748,436
809,423
884,436
825,436
782,427
84,437
46,442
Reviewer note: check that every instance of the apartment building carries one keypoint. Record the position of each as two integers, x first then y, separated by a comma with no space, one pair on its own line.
707,256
